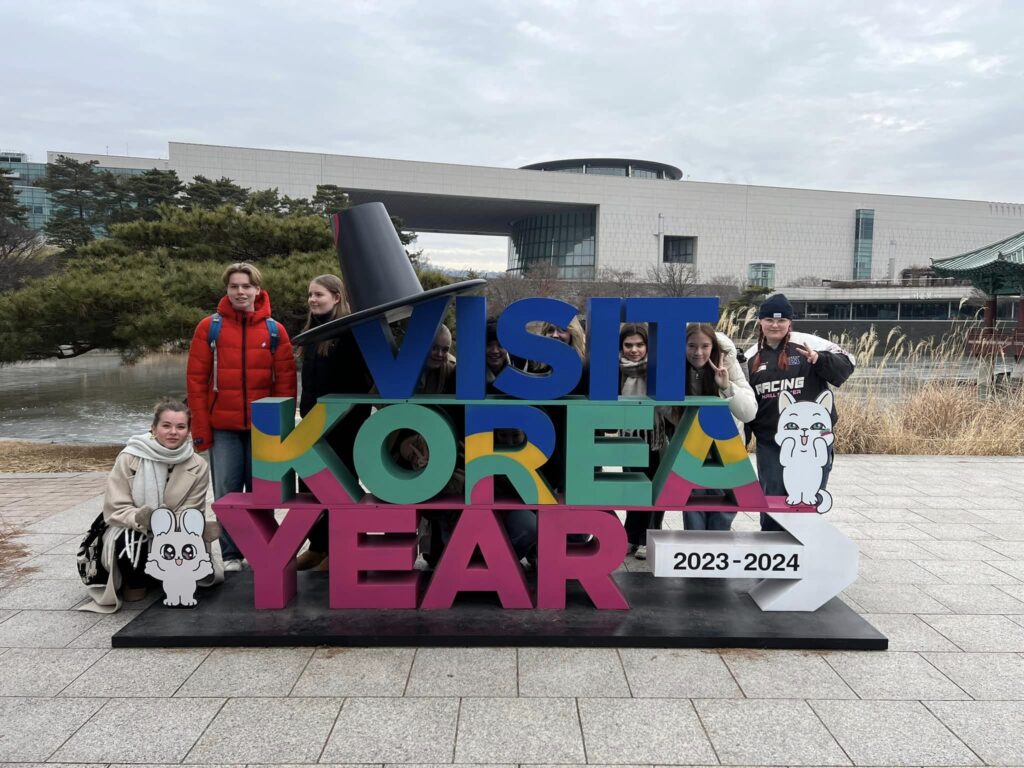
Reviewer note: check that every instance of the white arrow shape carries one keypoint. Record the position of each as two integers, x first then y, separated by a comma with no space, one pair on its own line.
801,568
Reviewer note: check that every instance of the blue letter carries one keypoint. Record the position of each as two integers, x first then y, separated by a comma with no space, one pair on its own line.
603,321
566,366
471,323
666,346
396,375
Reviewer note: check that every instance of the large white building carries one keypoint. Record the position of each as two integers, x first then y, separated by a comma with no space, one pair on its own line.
593,214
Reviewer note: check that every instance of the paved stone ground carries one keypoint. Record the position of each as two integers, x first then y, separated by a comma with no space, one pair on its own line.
942,574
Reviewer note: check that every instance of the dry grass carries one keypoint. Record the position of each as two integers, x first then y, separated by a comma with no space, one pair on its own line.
889,407
26,456
938,419
904,400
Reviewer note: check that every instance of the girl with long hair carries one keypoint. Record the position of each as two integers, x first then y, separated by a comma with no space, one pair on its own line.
713,370
633,383
331,367
787,361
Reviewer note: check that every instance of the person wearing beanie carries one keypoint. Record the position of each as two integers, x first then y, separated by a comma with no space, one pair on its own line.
776,306
786,361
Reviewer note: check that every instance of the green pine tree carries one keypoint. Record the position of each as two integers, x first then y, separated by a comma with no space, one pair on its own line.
79,196
10,208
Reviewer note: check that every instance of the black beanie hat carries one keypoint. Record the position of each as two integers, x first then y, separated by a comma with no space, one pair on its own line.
492,331
776,306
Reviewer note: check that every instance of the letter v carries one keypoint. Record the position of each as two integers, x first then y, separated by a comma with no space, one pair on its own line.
395,374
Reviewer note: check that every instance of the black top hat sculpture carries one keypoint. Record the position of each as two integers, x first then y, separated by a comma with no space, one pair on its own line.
378,275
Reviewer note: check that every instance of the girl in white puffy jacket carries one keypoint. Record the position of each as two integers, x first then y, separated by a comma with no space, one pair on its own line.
712,369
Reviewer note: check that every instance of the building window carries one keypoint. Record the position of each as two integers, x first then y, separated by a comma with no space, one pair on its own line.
875,310
924,310
761,273
679,250
566,241
824,310
606,170
863,242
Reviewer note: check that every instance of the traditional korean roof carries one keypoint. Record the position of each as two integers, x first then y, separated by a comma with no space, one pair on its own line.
996,269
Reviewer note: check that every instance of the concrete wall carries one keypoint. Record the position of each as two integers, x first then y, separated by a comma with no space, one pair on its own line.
805,232
115,161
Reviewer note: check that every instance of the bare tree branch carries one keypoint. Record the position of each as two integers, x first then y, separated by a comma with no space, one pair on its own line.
23,255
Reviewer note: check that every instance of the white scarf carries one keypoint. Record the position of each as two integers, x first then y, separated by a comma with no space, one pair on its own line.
633,377
633,382
151,477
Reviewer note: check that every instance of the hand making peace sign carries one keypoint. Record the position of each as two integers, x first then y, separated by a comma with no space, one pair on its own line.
805,351
721,375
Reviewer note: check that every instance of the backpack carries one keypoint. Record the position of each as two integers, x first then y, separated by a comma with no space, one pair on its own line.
211,336
90,555
131,558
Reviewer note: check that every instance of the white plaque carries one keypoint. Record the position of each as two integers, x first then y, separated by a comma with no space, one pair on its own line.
799,569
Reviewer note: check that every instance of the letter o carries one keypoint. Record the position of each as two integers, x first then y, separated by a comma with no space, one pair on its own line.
379,472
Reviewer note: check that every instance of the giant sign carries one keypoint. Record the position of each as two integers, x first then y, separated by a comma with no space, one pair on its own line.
373,512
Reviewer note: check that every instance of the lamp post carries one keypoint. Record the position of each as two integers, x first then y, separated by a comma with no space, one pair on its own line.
892,262
658,237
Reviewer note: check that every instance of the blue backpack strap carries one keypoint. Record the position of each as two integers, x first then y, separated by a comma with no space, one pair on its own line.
211,337
272,330
274,336
214,332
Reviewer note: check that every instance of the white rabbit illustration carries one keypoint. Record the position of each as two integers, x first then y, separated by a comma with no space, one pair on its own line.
178,556
804,436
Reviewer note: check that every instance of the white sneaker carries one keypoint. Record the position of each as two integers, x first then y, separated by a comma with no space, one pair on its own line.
640,554
232,566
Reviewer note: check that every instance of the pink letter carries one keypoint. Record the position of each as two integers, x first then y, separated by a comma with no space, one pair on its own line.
269,548
353,553
500,571
591,564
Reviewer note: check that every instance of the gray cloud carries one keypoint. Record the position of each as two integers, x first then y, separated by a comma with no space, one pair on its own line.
901,98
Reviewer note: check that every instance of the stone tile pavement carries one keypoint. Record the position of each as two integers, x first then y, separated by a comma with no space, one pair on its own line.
942,574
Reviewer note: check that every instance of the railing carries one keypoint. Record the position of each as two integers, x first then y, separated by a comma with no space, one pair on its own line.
987,341
909,281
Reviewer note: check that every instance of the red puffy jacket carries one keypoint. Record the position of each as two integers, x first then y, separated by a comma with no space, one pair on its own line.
246,369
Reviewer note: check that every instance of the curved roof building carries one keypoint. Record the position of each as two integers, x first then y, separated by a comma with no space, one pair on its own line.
610,166
588,214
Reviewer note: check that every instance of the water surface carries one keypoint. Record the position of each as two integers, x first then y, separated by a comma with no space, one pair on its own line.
92,398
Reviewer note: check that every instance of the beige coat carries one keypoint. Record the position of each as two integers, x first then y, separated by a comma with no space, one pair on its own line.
186,488
187,485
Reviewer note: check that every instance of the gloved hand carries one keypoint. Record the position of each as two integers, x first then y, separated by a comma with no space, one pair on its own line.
143,517
212,531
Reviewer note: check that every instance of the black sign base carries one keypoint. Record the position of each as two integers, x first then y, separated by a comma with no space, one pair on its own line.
664,613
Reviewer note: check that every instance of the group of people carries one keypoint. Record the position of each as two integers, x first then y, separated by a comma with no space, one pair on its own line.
241,354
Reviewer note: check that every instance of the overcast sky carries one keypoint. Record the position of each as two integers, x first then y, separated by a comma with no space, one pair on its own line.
905,98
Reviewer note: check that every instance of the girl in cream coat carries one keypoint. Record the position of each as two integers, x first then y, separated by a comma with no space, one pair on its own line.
158,469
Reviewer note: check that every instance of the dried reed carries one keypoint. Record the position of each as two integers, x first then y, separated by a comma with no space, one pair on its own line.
921,397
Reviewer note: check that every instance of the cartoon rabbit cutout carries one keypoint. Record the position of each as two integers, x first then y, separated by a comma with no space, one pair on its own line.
178,556
804,436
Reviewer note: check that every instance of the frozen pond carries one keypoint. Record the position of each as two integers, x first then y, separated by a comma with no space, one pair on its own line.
86,399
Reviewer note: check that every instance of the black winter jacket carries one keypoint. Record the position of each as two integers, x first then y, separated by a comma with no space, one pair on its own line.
803,380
